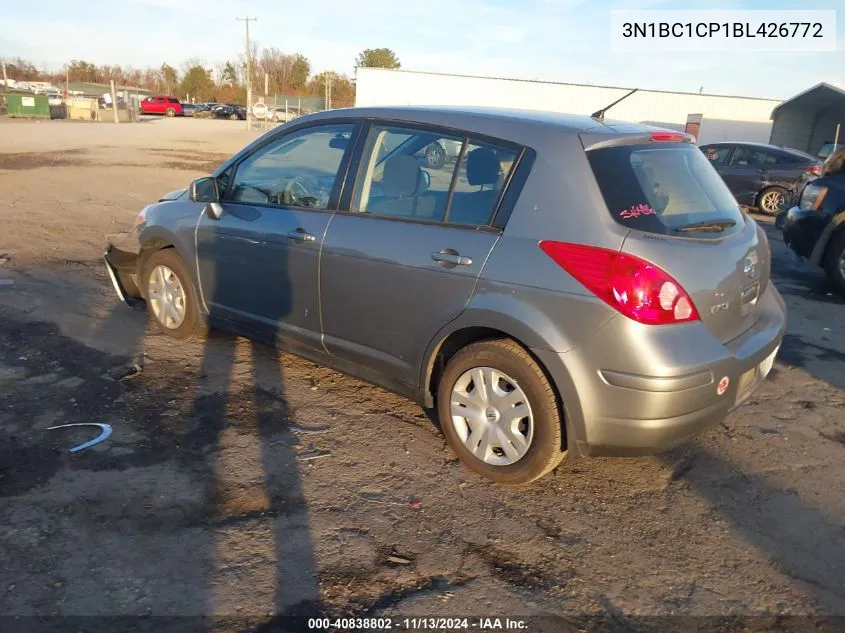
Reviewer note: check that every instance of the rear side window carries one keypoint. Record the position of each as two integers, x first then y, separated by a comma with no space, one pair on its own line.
663,188
423,175
172,100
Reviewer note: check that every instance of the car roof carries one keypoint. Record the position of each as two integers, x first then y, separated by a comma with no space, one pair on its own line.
477,117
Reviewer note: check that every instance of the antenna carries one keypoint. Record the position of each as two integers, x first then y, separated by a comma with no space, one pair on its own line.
599,114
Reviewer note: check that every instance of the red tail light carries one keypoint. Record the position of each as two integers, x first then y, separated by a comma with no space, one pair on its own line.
814,169
638,289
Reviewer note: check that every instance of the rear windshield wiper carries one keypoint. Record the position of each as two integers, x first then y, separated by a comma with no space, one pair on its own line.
713,225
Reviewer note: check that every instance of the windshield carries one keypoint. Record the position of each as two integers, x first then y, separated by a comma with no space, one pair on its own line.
665,189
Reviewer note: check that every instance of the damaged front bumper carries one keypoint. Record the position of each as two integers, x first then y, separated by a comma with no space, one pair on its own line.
122,268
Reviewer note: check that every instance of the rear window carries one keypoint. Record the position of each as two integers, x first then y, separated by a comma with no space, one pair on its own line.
172,100
663,188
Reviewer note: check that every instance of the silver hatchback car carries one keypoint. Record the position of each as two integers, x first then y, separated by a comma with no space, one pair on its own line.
566,286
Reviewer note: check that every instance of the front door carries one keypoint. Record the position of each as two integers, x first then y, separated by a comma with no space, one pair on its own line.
745,174
404,261
258,262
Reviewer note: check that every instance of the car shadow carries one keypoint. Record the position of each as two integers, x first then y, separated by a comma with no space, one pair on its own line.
226,425
802,542
254,488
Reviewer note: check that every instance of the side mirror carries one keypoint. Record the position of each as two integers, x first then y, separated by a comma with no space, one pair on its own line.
207,190
425,180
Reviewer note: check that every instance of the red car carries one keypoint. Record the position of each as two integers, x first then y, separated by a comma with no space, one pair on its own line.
168,106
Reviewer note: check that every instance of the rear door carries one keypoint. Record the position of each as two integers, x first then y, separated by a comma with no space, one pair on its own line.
725,268
404,258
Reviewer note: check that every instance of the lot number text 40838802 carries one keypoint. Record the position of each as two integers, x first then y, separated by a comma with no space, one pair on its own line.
417,624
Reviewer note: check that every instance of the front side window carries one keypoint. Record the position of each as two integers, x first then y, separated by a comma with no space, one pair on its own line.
408,173
297,170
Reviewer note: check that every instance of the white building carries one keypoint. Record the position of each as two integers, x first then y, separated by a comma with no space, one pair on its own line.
723,118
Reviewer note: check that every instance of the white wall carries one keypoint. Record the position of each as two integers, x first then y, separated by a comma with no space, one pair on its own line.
725,118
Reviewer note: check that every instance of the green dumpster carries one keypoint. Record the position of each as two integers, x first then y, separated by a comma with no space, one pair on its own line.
28,106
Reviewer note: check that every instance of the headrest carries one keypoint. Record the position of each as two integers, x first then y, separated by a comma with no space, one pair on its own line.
483,167
401,176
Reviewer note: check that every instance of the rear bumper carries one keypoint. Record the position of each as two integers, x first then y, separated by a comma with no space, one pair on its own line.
664,386
122,269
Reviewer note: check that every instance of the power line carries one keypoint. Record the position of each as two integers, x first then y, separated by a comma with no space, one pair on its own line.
246,21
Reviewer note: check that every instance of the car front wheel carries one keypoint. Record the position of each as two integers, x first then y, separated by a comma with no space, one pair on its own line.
171,296
499,413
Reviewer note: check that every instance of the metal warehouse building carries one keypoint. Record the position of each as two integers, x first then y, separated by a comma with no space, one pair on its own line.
809,120
804,122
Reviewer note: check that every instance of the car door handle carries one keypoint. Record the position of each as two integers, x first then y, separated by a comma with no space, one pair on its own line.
300,235
449,256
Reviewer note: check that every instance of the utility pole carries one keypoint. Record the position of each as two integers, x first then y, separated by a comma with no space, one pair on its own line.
246,21
114,102
328,100
5,79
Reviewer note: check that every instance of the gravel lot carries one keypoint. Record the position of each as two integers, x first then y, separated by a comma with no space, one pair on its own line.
250,485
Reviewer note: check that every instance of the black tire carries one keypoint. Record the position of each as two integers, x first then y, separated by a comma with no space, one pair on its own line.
194,323
170,112
771,199
233,117
834,262
435,156
545,451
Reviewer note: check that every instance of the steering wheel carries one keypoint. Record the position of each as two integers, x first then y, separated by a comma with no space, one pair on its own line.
298,189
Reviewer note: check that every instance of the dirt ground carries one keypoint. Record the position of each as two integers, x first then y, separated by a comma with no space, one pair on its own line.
252,486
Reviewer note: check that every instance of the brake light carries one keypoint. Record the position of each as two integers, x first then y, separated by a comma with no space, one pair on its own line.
670,137
636,288
814,169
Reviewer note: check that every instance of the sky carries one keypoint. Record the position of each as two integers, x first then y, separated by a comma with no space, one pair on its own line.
550,40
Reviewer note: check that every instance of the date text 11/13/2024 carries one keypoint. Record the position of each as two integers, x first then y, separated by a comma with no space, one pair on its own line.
417,624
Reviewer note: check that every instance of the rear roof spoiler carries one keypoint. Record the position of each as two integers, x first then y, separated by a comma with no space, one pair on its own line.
630,134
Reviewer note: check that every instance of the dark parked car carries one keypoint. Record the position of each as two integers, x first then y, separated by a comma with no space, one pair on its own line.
229,111
566,287
815,228
759,175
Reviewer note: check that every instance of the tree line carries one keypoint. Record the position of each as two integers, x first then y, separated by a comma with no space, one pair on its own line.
287,74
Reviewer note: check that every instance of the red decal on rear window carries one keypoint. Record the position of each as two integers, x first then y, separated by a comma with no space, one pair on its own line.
637,211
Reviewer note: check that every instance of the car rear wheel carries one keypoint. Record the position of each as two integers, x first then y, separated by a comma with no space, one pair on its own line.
834,262
233,117
435,156
170,112
770,200
171,296
499,413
